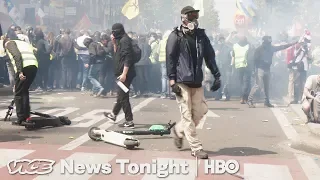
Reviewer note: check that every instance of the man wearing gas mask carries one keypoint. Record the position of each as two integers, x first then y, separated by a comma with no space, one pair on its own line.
263,61
186,48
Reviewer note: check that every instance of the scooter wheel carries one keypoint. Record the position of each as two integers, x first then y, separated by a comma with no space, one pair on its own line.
65,121
92,135
131,143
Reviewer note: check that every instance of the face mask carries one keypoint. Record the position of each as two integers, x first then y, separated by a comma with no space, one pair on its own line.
191,25
117,33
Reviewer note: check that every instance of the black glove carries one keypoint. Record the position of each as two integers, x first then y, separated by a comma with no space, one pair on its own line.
216,85
176,89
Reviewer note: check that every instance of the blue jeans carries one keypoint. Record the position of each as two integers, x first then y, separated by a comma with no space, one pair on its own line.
93,76
164,79
83,71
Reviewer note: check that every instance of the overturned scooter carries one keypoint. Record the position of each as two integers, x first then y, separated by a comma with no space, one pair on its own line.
124,138
43,120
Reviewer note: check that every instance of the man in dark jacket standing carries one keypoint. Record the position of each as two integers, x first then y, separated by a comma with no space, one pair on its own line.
142,66
43,57
124,71
68,58
97,58
186,48
263,61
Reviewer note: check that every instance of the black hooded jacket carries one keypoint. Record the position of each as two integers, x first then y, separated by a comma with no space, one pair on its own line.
123,56
184,65
96,51
264,54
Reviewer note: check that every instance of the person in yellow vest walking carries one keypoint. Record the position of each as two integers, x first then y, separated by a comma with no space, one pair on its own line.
25,66
240,57
154,42
162,59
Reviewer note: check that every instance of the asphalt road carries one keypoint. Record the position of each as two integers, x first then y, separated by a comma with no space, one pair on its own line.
253,137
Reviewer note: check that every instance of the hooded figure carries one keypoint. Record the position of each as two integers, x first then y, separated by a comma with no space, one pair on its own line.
263,60
118,31
125,73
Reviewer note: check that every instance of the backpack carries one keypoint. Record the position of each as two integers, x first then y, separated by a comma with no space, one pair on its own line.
136,51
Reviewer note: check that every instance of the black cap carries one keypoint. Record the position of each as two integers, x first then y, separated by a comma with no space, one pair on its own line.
188,9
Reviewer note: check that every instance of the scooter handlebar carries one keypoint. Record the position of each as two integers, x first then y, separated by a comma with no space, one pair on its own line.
171,125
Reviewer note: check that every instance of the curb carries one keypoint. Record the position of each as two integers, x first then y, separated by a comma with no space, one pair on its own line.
306,146
298,110
313,127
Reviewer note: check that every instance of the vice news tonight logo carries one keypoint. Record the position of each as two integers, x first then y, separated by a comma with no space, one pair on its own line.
30,167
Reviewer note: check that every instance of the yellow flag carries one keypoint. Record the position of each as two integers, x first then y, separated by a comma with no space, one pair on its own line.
131,9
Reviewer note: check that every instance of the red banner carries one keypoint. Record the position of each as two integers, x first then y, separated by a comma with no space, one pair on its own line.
84,23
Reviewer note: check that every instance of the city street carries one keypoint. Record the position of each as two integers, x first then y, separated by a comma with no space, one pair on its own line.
262,140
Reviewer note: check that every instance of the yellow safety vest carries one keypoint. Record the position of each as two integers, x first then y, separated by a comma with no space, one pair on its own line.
162,50
2,51
154,52
240,59
28,57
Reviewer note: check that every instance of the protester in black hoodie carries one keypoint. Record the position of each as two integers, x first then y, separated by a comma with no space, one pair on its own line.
263,61
97,58
125,71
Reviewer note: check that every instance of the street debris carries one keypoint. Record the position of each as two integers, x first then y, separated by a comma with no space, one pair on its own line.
208,128
29,142
265,120
71,137
232,117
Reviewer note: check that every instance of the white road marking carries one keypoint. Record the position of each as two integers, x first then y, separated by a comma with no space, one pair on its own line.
7,155
285,125
191,175
309,166
89,118
266,172
209,114
65,111
84,138
78,158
